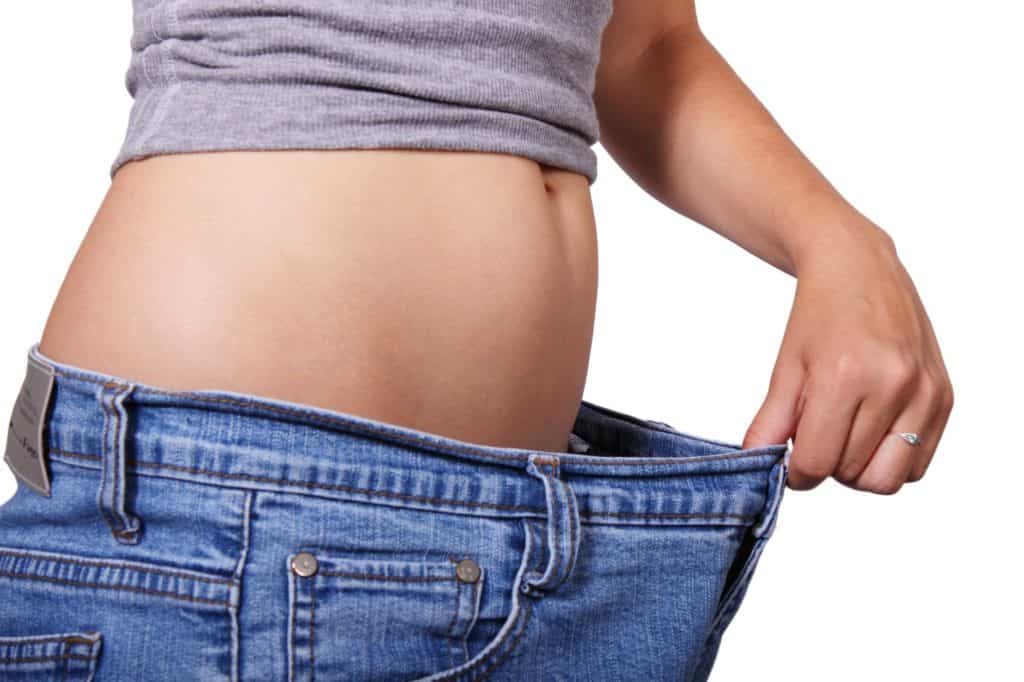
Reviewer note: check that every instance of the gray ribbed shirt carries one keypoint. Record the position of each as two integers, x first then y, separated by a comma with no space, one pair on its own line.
512,76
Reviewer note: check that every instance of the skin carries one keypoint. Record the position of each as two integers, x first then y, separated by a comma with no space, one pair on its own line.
454,292
448,292
859,360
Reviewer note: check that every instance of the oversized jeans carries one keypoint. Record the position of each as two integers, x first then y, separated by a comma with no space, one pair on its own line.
213,535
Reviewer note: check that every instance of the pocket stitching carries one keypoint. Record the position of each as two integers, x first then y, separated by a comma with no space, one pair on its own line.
386,578
511,647
312,629
451,624
517,621
27,644
312,583
126,588
129,565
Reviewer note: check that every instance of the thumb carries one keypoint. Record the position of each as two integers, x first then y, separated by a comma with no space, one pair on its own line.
776,421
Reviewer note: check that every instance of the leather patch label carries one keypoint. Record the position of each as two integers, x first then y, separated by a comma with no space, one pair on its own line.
26,446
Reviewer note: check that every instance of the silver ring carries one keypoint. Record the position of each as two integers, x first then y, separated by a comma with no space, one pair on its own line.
911,438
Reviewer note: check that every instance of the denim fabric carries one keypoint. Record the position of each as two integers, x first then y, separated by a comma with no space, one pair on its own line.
212,535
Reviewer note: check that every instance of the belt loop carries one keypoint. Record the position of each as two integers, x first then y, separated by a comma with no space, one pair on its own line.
125,526
563,526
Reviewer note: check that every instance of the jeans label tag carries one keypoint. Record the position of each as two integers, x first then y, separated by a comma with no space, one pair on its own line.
26,444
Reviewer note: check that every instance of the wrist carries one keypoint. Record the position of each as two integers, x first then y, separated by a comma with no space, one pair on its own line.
841,238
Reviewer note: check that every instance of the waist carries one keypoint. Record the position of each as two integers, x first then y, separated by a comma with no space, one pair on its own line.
450,292
249,442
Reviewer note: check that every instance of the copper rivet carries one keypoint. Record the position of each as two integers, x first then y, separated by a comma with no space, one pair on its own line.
304,564
467,570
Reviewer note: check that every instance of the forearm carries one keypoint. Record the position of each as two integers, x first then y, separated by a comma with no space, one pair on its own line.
692,134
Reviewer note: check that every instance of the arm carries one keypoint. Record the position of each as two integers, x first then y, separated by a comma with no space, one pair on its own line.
859,359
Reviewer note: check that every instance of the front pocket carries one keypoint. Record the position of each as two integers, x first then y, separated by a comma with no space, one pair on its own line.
359,618
67,656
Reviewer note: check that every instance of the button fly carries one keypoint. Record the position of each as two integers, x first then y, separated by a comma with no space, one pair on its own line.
304,564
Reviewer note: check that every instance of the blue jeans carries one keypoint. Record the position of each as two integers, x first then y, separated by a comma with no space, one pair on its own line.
212,535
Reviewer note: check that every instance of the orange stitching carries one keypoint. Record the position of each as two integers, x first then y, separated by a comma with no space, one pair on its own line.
293,606
418,498
64,665
105,564
478,587
515,642
388,578
103,478
43,659
312,629
451,624
127,588
41,640
312,484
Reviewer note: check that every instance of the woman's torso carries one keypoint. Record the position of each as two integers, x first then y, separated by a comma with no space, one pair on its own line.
452,292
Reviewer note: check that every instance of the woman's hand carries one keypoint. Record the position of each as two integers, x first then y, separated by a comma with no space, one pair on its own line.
859,364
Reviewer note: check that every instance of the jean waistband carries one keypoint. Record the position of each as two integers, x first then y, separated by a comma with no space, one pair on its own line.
622,469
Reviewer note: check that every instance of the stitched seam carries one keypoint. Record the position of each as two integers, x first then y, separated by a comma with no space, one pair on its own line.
417,442
671,515
498,645
511,647
555,522
517,602
127,588
243,554
568,497
477,588
40,640
573,550
116,453
64,651
451,624
417,498
43,659
535,532
312,629
293,617
388,578
104,564
103,475
311,484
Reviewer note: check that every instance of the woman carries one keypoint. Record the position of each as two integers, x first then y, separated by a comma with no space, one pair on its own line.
308,403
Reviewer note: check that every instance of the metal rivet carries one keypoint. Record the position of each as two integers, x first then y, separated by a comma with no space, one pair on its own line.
304,564
467,570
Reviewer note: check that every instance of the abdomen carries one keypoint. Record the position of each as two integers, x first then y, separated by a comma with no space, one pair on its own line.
452,292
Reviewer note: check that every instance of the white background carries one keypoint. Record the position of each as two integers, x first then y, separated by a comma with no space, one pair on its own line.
913,109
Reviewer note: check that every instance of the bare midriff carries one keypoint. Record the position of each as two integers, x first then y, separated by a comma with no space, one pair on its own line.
450,292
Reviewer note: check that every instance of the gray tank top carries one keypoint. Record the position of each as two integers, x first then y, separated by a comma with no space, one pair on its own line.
512,76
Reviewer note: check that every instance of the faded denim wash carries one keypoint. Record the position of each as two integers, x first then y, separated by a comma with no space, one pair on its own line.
212,535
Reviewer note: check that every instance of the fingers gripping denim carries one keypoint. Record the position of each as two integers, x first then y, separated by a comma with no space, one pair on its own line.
221,536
